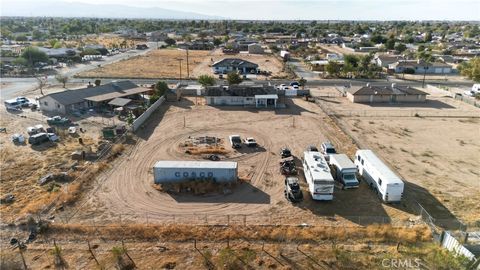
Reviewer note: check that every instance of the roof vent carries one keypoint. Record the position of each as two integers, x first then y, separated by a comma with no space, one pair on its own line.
368,84
394,85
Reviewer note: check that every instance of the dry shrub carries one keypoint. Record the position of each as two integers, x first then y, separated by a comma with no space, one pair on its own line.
178,232
208,150
117,149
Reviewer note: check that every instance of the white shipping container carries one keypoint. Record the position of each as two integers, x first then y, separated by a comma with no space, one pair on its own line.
179,171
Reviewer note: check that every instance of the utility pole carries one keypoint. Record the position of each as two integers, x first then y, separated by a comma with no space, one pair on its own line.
180,61
188,67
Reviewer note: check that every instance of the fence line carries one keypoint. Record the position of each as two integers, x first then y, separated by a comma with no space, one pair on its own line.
145,115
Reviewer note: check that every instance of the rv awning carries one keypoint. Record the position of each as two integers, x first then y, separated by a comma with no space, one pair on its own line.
274,96
119,102
118,94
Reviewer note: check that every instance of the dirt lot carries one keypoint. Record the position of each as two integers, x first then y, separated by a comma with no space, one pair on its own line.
164,63
155,64
266,62
23,165
436,153
339,50
127,193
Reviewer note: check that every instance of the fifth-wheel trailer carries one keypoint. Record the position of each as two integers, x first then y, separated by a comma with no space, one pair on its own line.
379,176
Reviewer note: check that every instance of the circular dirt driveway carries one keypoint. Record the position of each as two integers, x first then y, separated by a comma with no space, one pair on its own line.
128,189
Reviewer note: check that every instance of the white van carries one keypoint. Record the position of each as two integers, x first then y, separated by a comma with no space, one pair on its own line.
378,176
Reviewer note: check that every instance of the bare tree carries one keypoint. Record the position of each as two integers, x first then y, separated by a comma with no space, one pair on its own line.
40,84
62,79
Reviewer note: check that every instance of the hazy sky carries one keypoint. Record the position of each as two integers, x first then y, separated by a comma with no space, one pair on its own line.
311,9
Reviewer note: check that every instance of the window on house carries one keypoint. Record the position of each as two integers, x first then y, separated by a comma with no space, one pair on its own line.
45,103
379,181
362,161
58,105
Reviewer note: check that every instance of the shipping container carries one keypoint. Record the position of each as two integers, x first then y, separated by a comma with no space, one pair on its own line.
180,171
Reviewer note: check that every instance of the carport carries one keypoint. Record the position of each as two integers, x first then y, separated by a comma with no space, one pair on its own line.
266,100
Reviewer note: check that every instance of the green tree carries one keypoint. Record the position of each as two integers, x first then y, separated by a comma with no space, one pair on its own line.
400,47
161,88
21,38
170,41
206,80
233,78
217,41
98,82
471,69
62,79
89,51
390,44
20,62
428,37
34,55
58,45
351,60
333,68
302,82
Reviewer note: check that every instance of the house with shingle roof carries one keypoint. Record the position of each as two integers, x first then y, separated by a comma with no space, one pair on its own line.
385,94
91,97
234,64
420,67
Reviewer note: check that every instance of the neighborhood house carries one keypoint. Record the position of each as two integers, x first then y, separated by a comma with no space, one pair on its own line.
243,95
104,96
383,94
234,64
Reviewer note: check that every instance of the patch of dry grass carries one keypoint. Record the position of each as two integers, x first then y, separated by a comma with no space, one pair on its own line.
178,232
155,64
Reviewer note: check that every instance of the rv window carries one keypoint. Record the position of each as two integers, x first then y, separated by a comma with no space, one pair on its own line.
358,157
362,161
379,181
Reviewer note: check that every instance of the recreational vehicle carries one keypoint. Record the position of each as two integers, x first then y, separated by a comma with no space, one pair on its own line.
318,176
379,177
344,170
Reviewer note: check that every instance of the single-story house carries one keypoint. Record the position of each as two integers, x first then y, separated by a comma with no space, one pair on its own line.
59,53
157,36
234,64
385,94
91,97
255,48
420,67
242,95
384,60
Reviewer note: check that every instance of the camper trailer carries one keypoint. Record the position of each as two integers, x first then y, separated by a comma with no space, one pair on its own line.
318,176
379,177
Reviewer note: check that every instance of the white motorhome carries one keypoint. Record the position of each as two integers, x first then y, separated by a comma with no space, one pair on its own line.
318,176
344,170
379,177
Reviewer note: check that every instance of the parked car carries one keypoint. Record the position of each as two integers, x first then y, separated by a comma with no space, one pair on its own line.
470,93
295,84
285,152
53,137
235,141
250,142
213,157
31,131
58,120
292,190
312,148
327,149
38,138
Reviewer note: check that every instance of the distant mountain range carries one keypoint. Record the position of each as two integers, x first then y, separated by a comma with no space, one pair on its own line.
63,9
